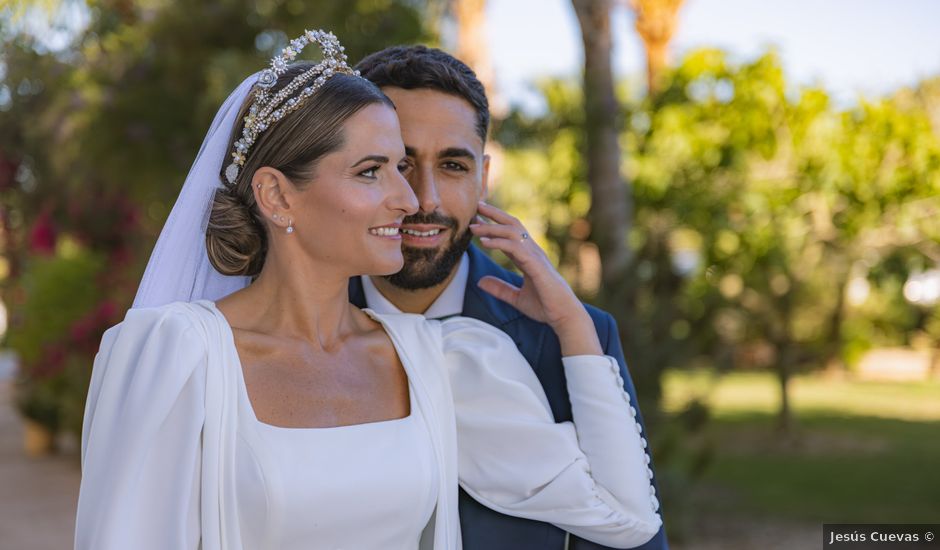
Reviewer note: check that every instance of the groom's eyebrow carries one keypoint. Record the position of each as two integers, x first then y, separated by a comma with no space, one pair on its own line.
450,152
456,152
373,158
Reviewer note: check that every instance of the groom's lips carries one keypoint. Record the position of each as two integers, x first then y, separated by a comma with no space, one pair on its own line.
424,241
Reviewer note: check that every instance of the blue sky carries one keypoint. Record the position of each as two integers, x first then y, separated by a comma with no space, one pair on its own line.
850,47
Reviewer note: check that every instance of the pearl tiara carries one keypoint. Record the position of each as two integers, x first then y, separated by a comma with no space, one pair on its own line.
266,110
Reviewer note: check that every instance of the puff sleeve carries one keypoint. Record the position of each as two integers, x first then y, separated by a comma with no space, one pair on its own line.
141,437
589,477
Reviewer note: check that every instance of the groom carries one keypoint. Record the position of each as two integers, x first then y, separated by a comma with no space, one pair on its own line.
444,120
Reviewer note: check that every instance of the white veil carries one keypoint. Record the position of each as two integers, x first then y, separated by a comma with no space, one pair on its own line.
179,268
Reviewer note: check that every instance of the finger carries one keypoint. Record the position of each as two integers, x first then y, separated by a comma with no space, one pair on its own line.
530,259
500,231
510,246
514,249
496,214
500,289
517,244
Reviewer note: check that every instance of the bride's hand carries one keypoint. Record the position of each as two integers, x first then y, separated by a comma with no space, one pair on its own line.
544,295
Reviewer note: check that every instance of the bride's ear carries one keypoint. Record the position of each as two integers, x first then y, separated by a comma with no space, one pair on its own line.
271,189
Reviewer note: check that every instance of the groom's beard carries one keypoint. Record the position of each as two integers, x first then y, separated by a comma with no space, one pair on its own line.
427,267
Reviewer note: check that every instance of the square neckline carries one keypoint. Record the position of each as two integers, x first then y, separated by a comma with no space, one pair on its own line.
243,387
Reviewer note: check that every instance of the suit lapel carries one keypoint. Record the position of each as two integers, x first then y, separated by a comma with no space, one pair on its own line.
527,334
478,304
357,296
481,305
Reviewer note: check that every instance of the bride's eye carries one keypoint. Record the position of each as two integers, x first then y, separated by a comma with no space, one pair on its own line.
371,172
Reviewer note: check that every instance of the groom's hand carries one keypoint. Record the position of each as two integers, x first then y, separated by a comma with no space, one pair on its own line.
544,295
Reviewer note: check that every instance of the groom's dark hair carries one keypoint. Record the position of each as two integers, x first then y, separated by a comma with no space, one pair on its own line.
420,67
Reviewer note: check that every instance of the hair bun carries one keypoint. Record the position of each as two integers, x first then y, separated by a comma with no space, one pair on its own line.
235,241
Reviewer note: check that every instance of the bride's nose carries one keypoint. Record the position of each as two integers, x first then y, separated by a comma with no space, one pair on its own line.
403,197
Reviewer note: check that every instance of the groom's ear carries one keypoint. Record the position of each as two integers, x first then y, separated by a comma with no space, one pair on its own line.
484,191
271,188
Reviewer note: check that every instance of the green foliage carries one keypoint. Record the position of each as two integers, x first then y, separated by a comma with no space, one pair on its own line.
543,161
684,450
56,294
756,205
792,199
865,454
126,104
96,137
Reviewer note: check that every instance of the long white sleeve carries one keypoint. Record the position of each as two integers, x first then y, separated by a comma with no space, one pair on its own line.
589,477
141,447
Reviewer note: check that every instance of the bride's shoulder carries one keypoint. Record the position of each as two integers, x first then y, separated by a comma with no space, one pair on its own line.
172,316
150,363
177,323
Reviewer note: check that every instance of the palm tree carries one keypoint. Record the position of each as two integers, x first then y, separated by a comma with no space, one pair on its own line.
656,22
611,206
469,44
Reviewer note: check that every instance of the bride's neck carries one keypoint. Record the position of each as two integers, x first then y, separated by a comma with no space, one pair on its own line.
303,300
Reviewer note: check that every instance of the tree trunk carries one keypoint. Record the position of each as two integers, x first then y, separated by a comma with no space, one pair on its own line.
611,203
785,414
787,359
782,336
611,213
832,357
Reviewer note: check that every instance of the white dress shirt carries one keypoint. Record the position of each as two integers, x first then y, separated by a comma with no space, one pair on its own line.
448,304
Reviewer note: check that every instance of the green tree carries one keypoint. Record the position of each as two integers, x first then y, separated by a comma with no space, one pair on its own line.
756,205
99,128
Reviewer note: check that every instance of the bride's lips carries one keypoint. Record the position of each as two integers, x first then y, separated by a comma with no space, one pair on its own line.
423,235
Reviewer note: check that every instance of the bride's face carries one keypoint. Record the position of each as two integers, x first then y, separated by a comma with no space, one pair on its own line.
349,214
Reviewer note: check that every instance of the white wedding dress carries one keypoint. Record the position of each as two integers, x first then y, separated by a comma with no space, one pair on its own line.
173,456
294,487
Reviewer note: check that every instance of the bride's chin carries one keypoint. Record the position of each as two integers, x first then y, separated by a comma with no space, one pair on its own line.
388,268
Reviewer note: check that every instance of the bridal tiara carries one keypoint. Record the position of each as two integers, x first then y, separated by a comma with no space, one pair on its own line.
266,110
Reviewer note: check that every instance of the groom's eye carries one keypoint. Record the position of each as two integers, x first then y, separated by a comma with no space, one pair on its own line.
451,165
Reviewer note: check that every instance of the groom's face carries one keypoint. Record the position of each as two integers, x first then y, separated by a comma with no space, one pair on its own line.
448,172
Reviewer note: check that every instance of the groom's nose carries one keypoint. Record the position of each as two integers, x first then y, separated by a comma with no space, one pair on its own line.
424,184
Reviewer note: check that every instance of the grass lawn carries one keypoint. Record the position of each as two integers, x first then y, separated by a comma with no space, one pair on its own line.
861,452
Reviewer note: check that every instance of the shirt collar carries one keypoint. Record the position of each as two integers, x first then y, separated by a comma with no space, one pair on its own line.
449,303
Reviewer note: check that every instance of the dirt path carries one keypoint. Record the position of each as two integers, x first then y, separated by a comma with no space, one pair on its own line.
37,496
733,534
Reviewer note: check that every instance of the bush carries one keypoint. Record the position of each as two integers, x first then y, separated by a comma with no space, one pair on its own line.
58,320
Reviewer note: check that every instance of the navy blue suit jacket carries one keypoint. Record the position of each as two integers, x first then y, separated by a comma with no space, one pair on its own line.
482,528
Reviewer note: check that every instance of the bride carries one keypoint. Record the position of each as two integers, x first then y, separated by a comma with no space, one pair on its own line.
244,403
